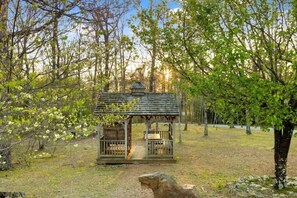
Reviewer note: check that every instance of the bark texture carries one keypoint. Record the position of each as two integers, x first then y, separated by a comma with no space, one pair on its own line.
5,155
205,120
248,129
282,141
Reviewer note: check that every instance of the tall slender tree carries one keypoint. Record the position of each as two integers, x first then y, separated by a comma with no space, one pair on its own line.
146,26
105,18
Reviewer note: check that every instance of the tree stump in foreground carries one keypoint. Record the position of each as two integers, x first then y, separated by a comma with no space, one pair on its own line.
166,187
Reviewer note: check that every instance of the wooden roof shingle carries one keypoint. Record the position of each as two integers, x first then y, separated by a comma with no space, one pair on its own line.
148,104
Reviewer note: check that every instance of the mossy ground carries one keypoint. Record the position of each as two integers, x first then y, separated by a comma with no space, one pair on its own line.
259,187
207,162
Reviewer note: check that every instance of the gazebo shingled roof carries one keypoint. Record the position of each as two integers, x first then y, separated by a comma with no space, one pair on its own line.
149,104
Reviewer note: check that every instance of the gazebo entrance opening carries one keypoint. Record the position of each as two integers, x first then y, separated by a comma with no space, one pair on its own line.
159,140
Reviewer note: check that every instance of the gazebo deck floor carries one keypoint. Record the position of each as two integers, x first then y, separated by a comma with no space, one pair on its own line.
137,151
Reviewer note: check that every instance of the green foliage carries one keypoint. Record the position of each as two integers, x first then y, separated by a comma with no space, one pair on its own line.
55,113
146,24
48,81
119,112
239,55
59,112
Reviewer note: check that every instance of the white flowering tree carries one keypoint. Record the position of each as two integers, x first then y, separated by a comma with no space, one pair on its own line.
42,115
46,74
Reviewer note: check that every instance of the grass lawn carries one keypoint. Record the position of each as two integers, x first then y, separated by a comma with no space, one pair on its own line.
209,163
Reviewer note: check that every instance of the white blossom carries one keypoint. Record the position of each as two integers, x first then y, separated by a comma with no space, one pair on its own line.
10,123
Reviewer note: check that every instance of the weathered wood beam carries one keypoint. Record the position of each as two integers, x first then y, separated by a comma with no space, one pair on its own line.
173,138
126,138
179,132
146,137
100,132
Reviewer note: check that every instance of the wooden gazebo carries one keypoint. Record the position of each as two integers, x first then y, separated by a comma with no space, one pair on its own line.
115,142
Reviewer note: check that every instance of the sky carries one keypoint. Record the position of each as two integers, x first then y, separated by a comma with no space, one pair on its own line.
172,3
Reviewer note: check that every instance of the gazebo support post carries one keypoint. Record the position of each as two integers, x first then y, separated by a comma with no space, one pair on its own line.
100,132
126,138
146,137
157,125
179,132
173,134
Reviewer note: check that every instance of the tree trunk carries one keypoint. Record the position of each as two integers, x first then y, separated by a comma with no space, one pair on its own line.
106,69
106,37
5,155
248,123
248,129
94,95
179,132
282,140
55,46
5,149
152,87
205,120
232,126
186,112
116,70
191,111
123,80
152,80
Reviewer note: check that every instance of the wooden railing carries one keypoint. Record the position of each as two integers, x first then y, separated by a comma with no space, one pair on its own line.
160,148
163,134
112,147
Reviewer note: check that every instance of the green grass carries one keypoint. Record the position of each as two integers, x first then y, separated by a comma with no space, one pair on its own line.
207,162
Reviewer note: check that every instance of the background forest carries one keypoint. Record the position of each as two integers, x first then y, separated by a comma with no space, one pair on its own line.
57,56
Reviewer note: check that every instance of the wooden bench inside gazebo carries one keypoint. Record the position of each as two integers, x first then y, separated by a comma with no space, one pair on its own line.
115,142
